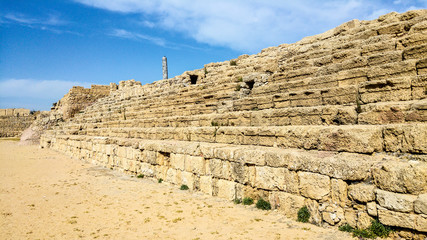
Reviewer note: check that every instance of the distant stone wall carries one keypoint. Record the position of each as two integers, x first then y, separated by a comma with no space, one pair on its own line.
14,120
79,98
336,122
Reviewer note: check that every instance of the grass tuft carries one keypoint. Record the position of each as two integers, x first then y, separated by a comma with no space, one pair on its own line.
248,201
262,204
184,187
303,214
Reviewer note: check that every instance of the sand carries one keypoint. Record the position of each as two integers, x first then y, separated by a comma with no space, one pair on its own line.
46,195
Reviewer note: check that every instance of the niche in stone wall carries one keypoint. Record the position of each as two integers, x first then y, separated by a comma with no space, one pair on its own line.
250,84
193,79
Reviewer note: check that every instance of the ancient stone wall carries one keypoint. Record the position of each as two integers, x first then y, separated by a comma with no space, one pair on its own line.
14,120
75,101
335,122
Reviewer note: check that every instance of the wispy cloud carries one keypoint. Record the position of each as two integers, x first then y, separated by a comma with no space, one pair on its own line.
250,25
121,33
52,22
34,94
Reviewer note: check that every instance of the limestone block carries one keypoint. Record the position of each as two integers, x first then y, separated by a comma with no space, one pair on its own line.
362,192
371,207
215,167
195,164
338,96
250,156
269,178
402,177
226,153
146,169
177,161
406,138
419,83
188,179
313,208
350,216
395,201
420,204
250,175
313,185
171,176
397,219
416,52
226,189
363,220
421,223
339,192
149,156
276,158
206,184
290,204
361,139
238,172
333,214
390,89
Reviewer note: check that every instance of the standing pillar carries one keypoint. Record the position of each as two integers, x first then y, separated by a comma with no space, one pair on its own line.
165,67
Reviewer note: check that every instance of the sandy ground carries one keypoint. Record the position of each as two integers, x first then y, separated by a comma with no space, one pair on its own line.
46,195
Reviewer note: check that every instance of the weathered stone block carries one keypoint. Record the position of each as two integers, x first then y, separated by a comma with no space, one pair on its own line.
177,161
206,184
363,220
362,192
290,204
371,207
395,201
339,192
187,178
420,204
195,164
226,189
401,177
397,219
269,178
333,214
313,185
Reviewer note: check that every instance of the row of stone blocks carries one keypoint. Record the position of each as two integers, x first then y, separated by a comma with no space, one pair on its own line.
398,138
337,187
378,113
389,90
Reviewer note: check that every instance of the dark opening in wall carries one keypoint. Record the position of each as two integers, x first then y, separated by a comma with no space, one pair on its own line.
193,79
250,84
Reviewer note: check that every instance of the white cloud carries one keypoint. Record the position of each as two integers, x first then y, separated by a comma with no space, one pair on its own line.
247,25
34,94
50,20
121,33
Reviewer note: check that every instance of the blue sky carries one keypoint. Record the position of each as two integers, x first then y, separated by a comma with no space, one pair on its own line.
47,46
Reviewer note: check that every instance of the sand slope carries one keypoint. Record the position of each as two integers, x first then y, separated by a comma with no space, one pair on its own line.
46,195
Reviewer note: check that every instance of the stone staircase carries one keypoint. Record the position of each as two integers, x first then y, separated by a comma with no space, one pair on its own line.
335,122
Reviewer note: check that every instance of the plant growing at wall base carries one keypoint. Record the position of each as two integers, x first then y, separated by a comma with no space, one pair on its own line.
184,187
140,176
262,204
346,228
303,214
237,201
376,229
160,180
248,201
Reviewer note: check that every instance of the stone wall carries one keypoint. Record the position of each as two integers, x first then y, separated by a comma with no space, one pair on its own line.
14,120
335,122
75,101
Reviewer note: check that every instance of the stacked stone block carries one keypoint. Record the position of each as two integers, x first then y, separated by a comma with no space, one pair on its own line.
335,122
14,120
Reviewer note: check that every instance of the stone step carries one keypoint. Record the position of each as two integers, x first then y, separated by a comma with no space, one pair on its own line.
403,138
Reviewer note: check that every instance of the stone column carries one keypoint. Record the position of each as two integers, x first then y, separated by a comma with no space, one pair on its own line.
165,67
